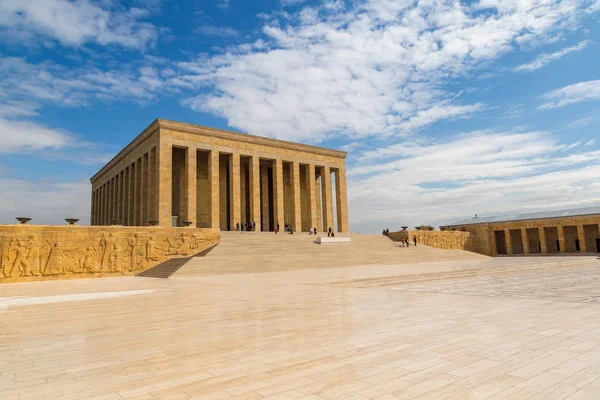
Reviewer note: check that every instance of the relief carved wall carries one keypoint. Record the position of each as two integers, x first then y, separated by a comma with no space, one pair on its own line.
55,252
445,240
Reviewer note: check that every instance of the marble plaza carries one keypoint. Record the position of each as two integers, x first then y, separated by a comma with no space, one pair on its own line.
388,323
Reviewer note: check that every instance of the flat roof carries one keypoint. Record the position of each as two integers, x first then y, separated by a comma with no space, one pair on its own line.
160,123
575,212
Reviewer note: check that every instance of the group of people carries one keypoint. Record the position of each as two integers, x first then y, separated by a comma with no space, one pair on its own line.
246,226
288,229
406,242
385,232
330,232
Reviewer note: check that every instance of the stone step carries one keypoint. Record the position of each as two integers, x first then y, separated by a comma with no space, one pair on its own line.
167,268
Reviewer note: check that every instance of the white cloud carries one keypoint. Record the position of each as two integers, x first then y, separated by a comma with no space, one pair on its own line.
220,31
26,137
369,68
46,201
581,122
481,172
224,4
576,93
590,142
34,84
73,23
291,2
544,59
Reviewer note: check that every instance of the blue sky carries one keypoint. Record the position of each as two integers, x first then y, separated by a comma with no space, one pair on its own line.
447,109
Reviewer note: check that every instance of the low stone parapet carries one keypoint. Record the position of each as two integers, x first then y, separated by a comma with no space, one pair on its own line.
38,252
332,240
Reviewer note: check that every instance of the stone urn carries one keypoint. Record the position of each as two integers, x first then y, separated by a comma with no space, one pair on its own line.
72,221
187,223
153,223
23,220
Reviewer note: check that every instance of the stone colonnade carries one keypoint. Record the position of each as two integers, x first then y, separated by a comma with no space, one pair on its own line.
219,188
129,197
553,239
224,188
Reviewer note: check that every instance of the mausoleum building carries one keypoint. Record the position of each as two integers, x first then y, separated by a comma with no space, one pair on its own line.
177,174
550,232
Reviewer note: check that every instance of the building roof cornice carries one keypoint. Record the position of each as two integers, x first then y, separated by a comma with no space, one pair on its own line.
248,138
160,123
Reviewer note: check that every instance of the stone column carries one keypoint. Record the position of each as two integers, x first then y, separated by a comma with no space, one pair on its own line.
312,195
122,197
104,206
191,185
581,236
129,184
525,240
492,241
115,208
543,246
136,193
109,202
165,184
508,242
215,214
142,189
106,203
151,186
99,206
278,194
327,199
235,190
341,199
264,201
255,192
561,238
297,200
96,208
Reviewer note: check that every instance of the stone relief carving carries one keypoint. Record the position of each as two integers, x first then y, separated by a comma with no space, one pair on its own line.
441,240
59,252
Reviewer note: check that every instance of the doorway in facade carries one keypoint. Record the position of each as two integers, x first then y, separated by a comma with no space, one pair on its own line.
598,245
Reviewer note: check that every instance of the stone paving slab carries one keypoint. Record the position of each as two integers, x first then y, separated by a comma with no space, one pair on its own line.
529,335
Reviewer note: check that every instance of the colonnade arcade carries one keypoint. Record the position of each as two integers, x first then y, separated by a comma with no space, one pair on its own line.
576,238
220,188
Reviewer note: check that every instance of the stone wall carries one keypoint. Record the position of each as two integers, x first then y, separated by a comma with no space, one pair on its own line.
440,240
37,252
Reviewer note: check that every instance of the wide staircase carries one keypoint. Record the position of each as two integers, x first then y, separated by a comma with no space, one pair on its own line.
245,252
167,268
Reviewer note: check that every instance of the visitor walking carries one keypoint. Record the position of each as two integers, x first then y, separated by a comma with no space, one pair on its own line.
415,241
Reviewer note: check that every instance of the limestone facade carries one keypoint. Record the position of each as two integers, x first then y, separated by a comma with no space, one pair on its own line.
545,236
177,174
37,252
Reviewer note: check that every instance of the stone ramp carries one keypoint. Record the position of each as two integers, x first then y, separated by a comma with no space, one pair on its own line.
247,252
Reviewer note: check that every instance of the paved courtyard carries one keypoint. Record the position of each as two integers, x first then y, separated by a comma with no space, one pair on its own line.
363,332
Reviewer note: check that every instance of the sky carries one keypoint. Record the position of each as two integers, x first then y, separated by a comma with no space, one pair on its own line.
446,108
